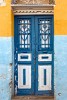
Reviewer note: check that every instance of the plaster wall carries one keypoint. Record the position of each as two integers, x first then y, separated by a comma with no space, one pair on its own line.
6,50
6,68
7,19
60,65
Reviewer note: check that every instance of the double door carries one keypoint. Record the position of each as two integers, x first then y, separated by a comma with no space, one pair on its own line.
33,55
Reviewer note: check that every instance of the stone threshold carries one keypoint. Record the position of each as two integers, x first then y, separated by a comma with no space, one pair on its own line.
33,98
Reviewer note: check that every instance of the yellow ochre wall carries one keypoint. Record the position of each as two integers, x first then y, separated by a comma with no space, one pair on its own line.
60,17
7,19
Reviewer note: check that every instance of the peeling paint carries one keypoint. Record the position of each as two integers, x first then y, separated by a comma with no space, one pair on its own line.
6,68
7,72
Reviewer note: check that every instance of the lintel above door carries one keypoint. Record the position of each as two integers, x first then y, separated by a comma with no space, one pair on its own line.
28,7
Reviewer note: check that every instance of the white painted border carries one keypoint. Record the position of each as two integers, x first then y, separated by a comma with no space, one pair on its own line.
24,54
45,55
41,85
20,76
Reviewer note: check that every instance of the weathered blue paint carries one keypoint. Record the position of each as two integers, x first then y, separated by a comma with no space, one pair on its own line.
40,50
5,68
18,49
36,36
60,47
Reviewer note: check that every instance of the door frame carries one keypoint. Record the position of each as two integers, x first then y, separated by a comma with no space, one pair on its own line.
48,16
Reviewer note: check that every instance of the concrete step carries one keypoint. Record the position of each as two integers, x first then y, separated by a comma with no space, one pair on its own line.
33,98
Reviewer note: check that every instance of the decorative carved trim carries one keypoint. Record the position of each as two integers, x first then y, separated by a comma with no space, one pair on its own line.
33,12
33,2
32,7
26,10
2,3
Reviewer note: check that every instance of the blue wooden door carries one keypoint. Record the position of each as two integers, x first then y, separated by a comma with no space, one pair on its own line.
34,66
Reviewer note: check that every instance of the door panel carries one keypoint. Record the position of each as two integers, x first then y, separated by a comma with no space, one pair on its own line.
34,65
24,55
24,77
44,78
44,55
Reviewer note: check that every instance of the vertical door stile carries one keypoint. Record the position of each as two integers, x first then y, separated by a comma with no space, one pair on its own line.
33,53
15,56
36,48
53,53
